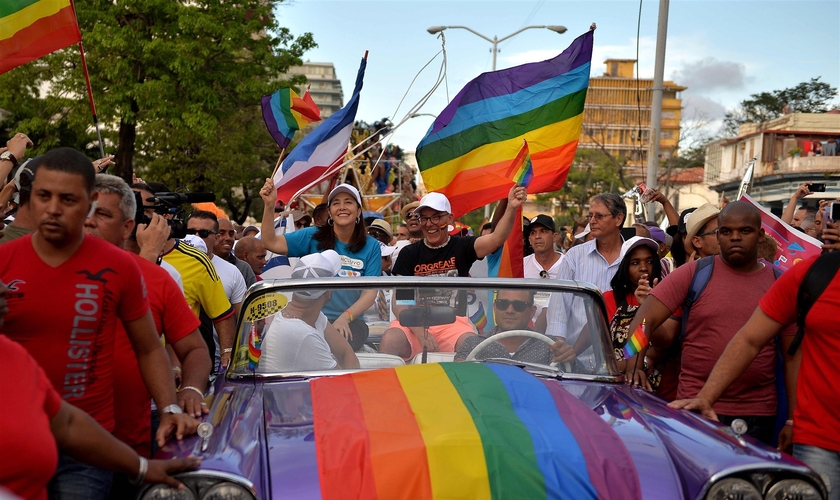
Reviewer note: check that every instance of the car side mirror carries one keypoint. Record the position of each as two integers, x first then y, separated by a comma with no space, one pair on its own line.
427,316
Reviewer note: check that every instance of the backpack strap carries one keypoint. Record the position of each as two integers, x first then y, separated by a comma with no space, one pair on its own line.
702,274
814,283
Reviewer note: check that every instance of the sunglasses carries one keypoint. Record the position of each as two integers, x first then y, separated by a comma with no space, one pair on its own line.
411,216
202,233
518,305
544,274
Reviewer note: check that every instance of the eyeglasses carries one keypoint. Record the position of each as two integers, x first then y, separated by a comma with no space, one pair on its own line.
544,274
202,233
598,217
434,219
707,233
518,305
412,215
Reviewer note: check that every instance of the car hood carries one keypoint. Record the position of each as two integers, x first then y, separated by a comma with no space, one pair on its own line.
264,433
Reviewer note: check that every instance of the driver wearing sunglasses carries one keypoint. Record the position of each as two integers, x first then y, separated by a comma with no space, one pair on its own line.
513,310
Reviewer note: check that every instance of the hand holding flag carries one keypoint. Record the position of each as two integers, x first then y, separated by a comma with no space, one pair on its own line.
636,342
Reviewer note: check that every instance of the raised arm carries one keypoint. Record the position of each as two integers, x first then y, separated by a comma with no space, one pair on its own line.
487,244
270,239
801,192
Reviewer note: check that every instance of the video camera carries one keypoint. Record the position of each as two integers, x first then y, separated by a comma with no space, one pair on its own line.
169,206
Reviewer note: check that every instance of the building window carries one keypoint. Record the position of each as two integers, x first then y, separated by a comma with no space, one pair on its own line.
668,115
666,134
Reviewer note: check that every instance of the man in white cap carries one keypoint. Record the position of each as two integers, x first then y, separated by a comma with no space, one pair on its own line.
439,254
300,336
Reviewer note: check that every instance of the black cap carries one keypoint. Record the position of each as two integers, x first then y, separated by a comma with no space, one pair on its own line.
680,228
545,221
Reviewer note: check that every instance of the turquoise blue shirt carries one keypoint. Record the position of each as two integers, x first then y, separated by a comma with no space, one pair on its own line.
366,262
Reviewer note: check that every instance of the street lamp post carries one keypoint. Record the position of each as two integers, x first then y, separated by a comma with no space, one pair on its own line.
495,41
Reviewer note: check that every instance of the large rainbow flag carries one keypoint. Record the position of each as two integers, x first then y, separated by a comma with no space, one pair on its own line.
285,112
463,430
30,29
466,153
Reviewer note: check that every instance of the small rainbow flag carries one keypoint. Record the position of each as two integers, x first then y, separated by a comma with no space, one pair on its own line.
625,411
479,318
636,342
285,113
254,347
463,430
521,166
30,29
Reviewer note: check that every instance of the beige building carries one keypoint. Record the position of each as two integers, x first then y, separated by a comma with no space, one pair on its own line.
325,87
784,148
613,117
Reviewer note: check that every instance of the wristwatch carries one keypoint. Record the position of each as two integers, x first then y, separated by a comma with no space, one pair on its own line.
8,156
173,409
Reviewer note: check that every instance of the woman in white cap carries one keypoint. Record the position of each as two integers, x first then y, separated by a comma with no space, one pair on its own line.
345,233
640,269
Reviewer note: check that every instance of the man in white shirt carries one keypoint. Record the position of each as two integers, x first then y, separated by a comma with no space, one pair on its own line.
545,261
205,225
300,338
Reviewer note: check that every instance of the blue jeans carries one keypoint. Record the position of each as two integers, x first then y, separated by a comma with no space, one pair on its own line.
825,462
77,481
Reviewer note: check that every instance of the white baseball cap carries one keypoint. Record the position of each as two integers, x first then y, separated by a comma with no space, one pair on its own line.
316,265
435,201
387,250
194,240
345,188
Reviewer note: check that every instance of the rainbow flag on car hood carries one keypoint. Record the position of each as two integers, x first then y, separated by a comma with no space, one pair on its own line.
468,149
463,430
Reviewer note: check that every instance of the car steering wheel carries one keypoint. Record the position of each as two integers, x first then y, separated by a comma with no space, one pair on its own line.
566,366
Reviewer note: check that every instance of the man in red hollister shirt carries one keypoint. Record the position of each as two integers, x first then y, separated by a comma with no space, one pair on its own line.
67,291
113,221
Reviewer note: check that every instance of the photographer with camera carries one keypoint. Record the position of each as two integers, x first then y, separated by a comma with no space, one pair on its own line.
202,285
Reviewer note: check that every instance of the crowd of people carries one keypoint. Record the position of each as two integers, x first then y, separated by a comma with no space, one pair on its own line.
133,323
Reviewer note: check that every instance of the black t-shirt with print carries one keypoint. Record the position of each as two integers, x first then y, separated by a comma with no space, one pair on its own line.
453,259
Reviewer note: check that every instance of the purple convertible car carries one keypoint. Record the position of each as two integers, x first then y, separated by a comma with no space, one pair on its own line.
298,416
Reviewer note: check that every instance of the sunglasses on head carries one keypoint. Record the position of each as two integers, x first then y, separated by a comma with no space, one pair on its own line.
202,233
518,305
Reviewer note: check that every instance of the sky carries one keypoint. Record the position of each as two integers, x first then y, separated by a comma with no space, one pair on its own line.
723,51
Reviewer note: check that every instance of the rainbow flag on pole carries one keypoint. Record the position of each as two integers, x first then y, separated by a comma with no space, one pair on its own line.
468,149
254,347
636,342
463,430
30,29
284,113
521,169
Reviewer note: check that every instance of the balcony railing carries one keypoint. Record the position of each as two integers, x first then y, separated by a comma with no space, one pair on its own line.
823,165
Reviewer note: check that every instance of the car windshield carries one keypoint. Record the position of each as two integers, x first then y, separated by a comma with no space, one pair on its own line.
307,326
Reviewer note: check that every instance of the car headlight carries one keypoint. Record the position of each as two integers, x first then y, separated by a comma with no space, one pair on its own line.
793,488
227,491
199,488
733,488
164,492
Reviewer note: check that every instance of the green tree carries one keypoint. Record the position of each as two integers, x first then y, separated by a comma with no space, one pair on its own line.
177,85
808,97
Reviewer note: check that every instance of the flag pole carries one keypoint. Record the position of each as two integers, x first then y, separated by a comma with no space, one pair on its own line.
87,83
279,159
